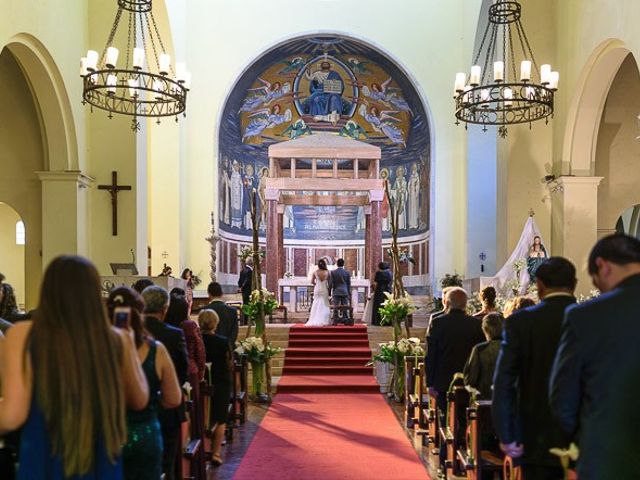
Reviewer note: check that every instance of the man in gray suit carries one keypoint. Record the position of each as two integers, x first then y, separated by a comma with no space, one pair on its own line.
340,286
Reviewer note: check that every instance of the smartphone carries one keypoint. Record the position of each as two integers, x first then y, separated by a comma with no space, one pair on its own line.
122,317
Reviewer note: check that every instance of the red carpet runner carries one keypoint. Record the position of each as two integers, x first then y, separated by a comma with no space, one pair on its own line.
328,420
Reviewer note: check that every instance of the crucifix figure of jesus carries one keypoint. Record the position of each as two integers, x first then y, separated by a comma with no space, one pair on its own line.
114,189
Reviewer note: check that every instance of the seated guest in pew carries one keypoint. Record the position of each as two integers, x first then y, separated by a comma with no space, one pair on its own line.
156,304
445,302
517,303
478,372
219,355
228,326
142,455
68,377
450,339
595,383
488,300
521,413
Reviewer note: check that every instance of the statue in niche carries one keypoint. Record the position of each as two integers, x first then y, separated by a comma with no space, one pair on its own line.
400,197
262,186
537,255
384,210
246,196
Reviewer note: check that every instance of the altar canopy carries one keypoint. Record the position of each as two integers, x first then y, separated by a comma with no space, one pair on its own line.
323,170
506,275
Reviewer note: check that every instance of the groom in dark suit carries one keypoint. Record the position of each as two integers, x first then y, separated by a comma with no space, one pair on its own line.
340,287
594,386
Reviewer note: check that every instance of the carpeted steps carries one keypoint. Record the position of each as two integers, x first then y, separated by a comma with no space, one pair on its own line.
327,360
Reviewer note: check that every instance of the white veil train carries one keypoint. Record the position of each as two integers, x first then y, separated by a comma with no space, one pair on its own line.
506,274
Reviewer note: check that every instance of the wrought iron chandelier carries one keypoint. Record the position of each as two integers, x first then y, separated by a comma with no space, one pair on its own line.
145,84
509,96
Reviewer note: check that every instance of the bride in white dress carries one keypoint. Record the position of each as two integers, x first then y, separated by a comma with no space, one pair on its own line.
320,315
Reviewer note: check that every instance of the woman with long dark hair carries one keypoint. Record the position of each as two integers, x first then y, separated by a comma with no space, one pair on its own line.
68,377
142,455
320,313
382,283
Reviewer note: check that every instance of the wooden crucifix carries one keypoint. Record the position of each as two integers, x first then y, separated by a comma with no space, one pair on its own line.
114,189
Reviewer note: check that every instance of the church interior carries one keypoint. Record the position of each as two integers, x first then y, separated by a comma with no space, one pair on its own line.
458,143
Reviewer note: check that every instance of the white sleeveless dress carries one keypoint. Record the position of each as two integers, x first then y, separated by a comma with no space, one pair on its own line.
320,314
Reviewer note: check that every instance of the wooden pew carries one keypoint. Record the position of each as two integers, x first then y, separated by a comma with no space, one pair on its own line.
426,411
192,462
239,391
453,433
477,456
412,391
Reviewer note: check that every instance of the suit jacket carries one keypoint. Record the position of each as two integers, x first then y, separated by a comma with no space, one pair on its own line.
245,281
450,339
478,372
595,383
228,326
520,409
173,339
340,282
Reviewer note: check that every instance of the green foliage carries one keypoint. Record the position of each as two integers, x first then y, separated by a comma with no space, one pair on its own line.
451,280
261,301
255,349
396,309
390,352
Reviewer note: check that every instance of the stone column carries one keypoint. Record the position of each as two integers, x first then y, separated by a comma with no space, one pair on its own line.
282,260
64,214
366,270
273,240
375,228
574,228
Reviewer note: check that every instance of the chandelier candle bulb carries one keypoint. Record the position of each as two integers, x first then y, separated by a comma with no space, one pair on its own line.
498,71
133,87
112,81
530,92
545,73
92,60
474,78
164,63
484,96
181,70
554,79
508,96
525,70
112,57
138,58
83,67
461,80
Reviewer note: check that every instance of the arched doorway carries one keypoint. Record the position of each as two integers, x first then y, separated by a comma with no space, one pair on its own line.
374,101
12,250
617,158
629,221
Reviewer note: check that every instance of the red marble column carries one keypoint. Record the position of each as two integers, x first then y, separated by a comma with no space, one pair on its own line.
367,248
282,260
273,246
375,238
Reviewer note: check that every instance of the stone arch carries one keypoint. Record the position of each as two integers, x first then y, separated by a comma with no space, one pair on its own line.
587,105
47,86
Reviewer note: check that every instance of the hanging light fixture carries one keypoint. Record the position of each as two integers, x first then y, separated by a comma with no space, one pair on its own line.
143,81
497,92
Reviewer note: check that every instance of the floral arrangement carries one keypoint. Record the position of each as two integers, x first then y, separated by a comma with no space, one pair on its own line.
590,296
260,299
396,309
256,350
519,265
247,252
196,280
406,347
404,256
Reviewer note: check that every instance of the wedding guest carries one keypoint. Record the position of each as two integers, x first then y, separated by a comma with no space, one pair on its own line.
142,454
72,414
8,304
4,325
156,304
382,283
478,372
521,413
517,303
594,385
219,355
450,339
228,316
141,284
245,281
187,275
488,300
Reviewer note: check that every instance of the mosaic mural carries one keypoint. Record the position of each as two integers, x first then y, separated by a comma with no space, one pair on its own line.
324,84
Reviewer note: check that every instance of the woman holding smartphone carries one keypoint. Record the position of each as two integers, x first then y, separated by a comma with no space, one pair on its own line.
142,455
67,377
